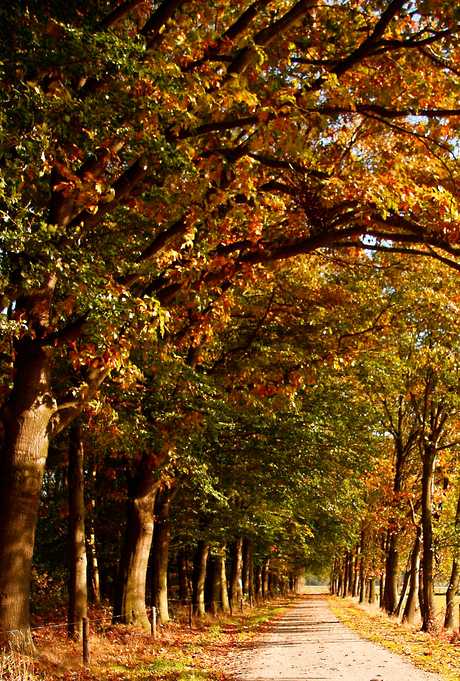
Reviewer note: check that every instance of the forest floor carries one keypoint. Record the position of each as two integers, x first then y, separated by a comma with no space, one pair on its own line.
285,640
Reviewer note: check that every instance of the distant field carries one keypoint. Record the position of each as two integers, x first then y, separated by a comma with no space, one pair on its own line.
440,600
306,589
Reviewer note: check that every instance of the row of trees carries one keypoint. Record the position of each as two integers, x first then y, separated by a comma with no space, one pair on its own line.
411,521
176,178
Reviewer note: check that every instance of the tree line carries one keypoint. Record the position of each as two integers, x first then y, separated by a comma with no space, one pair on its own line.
184,189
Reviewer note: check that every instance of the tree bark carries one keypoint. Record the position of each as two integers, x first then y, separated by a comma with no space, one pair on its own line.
199,577
450,594
258,583
214,584
129,604
160,552
454,578
247,568
182,571
429,612
94,578
356,573
236,573
78,589
372,583
27,420
223,582
265,579
391,573
411,603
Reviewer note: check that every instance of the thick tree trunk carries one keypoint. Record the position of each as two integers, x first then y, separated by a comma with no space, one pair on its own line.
411,603
160,553
429,612
199,577
129,604
27,420
214,584
78,590
236,583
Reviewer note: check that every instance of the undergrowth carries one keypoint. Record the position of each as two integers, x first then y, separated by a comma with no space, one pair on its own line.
124,653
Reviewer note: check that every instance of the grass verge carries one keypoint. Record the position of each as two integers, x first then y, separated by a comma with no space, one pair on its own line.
438,652
124,653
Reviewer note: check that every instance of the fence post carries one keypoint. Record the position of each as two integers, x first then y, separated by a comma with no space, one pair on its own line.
231,608
86,650
241,605
190,615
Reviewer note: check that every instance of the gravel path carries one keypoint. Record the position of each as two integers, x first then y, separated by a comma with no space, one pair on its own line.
310,643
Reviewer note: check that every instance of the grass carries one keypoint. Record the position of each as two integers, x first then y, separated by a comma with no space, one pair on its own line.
124,653
438,652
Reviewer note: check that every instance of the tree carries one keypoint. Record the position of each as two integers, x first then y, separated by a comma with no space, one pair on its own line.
148,163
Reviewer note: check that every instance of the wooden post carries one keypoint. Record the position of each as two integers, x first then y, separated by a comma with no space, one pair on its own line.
190,615
241,605
154,623
231,608
251,602
86,651
213,608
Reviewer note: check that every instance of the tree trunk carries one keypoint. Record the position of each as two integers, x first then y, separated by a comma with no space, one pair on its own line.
160,552
129,605
78,590
411,603
404,589
236,583
182,572
362,585
345,576
247,568
391,574
199,577
356,574
429,612
27,420
265,578
258,583
94,579
350,572
450,594
223,582
213,589
454,578
372,583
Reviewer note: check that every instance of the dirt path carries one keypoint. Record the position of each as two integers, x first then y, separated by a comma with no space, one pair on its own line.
310,643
